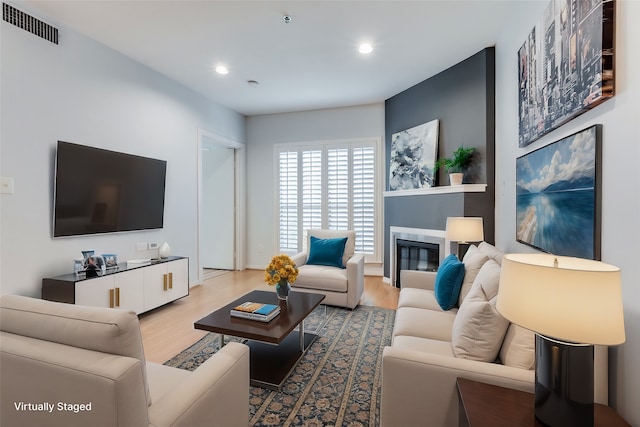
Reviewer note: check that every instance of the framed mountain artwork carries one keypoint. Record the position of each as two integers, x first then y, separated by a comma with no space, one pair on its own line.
558,196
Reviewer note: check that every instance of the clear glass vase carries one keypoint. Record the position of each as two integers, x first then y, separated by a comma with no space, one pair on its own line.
282,290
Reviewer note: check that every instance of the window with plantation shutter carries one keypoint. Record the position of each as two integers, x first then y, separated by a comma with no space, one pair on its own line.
338,212
311,194
288,199
364,198
330,186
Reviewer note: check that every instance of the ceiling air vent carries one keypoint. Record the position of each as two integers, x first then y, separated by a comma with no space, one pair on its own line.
29,23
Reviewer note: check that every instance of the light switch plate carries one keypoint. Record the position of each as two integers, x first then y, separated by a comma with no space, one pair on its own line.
152,245
6,185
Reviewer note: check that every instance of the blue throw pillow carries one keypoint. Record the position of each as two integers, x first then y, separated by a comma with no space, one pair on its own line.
448,282
326,251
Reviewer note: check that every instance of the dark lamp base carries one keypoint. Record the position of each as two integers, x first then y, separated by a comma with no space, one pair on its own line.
564,383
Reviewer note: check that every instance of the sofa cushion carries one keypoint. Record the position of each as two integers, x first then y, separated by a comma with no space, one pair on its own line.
349,247
420,298
478,329
491,251
473,260
423,345
417,322
518,348
448,282
321,277
327,252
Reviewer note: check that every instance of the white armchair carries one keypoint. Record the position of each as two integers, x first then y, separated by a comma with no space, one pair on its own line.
93,358
341,286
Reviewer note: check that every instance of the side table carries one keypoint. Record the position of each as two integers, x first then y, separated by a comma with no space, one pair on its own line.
488,405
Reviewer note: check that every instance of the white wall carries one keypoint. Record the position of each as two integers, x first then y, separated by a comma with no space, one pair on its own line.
620,117
83,92
217,225
308,126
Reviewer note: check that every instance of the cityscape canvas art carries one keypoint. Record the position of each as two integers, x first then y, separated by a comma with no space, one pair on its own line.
566,65
413,157
557,207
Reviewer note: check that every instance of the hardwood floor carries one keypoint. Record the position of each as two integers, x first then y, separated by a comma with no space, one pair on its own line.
168,330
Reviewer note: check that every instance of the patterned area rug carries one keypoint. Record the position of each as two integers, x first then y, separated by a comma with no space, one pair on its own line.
338,380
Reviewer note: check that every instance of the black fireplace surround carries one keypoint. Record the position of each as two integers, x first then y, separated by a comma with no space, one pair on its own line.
412,255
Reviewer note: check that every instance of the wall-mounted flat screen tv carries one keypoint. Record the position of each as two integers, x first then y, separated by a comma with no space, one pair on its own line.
102,191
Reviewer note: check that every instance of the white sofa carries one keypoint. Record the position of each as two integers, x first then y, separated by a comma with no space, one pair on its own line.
431,347
342,287
69,355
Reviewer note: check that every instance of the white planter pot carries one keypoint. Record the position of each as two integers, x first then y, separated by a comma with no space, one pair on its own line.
456,178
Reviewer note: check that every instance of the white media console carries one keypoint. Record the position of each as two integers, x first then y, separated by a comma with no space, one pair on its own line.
138,287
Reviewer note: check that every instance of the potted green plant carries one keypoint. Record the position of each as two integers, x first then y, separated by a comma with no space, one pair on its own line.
457,163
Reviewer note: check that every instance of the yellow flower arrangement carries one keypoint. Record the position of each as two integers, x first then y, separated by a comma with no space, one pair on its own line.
281,269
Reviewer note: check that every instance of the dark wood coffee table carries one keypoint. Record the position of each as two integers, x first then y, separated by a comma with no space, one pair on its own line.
275,350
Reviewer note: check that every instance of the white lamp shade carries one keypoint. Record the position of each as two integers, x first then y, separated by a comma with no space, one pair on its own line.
464,229
577,300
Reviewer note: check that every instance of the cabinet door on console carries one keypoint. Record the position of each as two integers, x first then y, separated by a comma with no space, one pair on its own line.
129,287
96,292
165,282
178,276
156,286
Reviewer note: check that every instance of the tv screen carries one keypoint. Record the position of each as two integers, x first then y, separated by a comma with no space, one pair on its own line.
102,191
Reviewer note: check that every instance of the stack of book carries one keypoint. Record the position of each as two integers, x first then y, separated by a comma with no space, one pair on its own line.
256,311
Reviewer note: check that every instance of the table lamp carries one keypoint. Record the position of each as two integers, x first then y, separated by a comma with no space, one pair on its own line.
571,304
463,230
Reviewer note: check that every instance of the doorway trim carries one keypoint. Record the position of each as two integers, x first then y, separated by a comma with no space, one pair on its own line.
240,191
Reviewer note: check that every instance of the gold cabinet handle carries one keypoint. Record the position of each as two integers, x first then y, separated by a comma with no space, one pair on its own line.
170,280
111,298
164,279
117,297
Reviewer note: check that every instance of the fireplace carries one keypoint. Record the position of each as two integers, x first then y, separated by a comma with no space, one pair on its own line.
415,249
412,255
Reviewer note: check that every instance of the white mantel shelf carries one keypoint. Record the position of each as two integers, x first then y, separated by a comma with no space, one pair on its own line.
443,189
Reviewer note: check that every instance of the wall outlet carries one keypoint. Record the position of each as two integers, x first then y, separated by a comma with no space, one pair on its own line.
260,248
141,246
152,245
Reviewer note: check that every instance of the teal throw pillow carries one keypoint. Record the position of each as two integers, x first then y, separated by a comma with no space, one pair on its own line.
448,282
326,251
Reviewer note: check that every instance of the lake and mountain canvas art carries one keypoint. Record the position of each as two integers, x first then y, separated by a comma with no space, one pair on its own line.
556,196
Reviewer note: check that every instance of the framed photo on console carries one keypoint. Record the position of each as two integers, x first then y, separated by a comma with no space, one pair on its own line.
110,260
558,196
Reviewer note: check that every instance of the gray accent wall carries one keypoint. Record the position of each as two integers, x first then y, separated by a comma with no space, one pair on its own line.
463,99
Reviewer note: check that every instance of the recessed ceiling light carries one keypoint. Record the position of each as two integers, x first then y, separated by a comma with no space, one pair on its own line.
365,48
221,69
252,83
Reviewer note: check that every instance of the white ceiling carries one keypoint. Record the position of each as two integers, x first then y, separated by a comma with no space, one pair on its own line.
310,63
